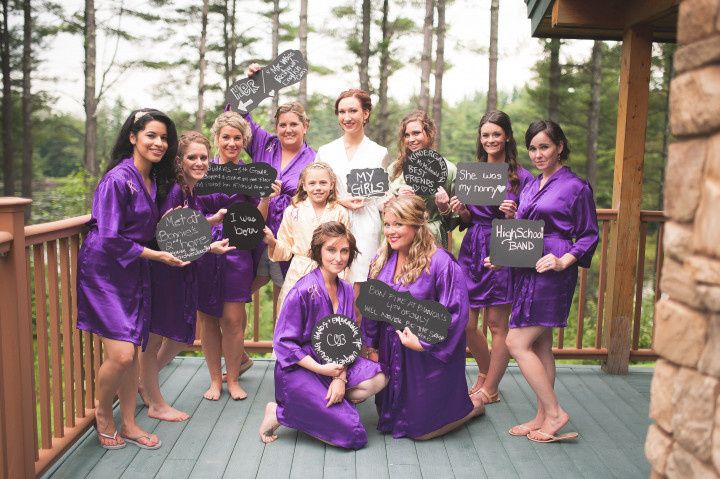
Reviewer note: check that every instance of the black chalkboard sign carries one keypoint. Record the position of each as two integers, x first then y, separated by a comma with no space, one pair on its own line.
287,69
368,182
185,233
428,320
517,243
481,183
336,339
425,171
243,224
254,179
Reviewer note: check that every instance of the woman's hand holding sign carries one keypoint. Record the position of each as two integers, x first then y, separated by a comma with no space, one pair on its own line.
509,207
409,340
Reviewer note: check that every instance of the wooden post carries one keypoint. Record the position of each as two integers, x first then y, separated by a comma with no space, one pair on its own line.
17,396
627,195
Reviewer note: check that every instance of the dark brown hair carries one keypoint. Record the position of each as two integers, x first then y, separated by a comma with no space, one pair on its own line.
553,131
327,231
501,119
362,96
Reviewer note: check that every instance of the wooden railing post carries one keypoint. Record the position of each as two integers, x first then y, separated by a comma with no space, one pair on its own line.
627,194
17,397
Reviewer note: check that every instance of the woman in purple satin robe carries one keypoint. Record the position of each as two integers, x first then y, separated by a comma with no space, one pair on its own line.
174,290
426,396
225,281
113,285
543,295
316,398
490,291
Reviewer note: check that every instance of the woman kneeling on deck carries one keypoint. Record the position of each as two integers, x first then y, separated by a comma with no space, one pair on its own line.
427,394
312,397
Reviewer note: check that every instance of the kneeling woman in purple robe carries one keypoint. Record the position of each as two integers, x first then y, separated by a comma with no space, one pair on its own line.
312,397
427,394
544,294
113,285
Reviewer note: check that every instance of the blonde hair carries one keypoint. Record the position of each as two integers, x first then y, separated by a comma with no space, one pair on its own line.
186,139
410,210
301,195
234,120
293,107
428,126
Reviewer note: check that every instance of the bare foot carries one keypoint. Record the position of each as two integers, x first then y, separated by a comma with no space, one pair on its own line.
478,383
550,426
141,438
269,424
167,413
236,392
213,392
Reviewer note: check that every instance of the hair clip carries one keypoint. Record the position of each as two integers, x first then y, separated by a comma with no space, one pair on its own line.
139,115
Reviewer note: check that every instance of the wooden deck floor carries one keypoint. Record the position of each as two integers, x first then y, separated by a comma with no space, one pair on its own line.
220,440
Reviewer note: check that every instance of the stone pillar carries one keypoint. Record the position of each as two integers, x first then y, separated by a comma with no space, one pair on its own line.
685,403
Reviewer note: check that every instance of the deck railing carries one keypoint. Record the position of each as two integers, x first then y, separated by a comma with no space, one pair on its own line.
48,366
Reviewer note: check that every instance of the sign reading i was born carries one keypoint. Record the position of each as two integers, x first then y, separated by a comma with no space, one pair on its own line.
243,224
287,69
481,183
517,243
425,171
253,179
185,233
336,339
368,182
428,320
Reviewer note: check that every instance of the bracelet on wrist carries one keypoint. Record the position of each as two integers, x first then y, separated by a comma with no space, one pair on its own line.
340,379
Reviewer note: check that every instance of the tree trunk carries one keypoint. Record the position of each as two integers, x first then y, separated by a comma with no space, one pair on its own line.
493,57
426,57
233,41
275,47
381,124
593,127
226,45
439,71
668,73
27,170
554,87
365,48
200,116
303,34
91,165
7,122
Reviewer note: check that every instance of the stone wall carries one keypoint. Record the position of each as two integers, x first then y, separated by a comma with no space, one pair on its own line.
684,442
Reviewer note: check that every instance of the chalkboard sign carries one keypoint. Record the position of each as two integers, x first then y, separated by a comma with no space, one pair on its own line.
184,233
243,224
254,179
481,183
336,339
428,320
368,182
517,243
287,69
425,171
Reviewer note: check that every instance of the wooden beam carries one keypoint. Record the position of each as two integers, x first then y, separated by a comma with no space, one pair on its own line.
627,194
609,14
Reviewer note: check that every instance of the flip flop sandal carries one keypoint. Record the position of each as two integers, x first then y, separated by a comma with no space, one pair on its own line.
521,427
550,438
491,398
136,440
112,437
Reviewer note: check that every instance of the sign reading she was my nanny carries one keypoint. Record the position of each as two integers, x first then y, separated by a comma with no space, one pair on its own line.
368,182
425,171
287,69
184,233
336,339
254,179
243,224
481,183
428,320
517,243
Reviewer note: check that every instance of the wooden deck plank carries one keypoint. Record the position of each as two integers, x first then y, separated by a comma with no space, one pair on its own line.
214,456
631,392
462,455
433,458
402,459
338,462
371,461
175,468
307,462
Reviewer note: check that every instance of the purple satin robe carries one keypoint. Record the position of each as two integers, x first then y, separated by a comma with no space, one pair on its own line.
300,393
427,390
175,290
567,206
265,148
113,281
485,286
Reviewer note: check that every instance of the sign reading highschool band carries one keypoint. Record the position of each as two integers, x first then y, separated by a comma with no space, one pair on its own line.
428,320
254,179
517,243
184,233
425,171
243,224
367,182
336,339
287,69
481,183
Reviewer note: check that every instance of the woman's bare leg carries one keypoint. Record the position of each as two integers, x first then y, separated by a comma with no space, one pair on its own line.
367,388
127,392
211,346
232,324
169,350
269,424
496,318
119,358
477,343
158,408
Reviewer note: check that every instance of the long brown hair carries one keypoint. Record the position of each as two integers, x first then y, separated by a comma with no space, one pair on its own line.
410,210
428,126
501,119
301,195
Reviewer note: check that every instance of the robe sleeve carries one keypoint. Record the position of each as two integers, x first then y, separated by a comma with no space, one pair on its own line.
258,141
284,241
289,329
452,293
585,229
111,205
